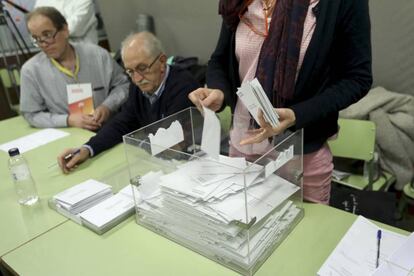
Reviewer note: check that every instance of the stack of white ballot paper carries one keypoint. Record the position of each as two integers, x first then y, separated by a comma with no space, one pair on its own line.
401,262
109,212
210,196
356,254
92,203
254,98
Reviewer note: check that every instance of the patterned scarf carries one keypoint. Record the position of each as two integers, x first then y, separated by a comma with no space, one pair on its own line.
279,55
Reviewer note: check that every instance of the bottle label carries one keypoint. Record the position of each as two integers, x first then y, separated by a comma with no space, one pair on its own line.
20,172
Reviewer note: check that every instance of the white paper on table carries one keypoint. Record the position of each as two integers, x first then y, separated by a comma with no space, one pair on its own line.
34,140
81,192
127,191
108,210
401,262
166,138
210,141
356,253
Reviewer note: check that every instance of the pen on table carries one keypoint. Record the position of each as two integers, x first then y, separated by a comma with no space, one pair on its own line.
379,232
66,158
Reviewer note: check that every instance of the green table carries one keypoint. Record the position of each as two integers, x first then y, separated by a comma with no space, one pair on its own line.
20,224
38,241
130,249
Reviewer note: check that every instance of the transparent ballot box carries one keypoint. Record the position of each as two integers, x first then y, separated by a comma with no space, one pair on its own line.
196,185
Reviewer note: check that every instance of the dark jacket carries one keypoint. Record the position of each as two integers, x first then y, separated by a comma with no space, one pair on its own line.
137,111
335,73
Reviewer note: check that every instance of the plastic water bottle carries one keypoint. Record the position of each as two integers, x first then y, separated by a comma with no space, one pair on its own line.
22,178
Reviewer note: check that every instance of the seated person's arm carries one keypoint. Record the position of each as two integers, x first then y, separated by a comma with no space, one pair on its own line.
107,137
35,110
33,106
69,158
83,121
118,86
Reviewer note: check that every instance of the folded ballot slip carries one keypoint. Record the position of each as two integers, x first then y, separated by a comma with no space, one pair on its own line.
82,196
254,98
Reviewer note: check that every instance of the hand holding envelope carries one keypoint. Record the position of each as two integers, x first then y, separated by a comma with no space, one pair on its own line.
272,121
286,120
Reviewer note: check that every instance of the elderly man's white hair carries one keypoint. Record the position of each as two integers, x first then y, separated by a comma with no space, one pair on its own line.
149,43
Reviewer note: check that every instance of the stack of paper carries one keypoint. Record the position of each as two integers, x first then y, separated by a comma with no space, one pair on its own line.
356,253
110,211
82,196
254,98
92,204
211,196
401,262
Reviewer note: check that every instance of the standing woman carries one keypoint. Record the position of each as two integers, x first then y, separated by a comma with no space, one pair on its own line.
312,57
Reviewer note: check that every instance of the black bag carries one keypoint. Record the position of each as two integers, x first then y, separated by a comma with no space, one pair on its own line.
379,206
191,64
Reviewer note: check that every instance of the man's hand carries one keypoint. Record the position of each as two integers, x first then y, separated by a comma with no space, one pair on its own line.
211,98
287,119
101,114
68,160
83,121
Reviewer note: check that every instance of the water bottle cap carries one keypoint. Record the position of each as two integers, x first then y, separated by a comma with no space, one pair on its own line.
14,152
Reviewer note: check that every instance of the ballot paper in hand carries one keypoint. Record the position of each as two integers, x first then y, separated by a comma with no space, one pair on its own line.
254,98
210,142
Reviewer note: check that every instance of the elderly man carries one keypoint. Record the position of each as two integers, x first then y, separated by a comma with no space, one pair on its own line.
63,69
158,91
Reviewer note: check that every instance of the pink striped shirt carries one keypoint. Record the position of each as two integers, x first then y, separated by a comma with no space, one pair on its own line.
317,165
248,45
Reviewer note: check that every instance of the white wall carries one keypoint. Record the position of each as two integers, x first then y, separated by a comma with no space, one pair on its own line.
393,44
186,27
191,28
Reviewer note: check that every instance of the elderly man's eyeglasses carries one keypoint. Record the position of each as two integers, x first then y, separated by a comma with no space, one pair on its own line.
142,69
48,37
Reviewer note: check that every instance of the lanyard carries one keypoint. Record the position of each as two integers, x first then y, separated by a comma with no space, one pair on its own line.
66,71
267,10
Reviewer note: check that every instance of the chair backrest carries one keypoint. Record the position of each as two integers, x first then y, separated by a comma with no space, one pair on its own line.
11,82
5,77
225,119
356,140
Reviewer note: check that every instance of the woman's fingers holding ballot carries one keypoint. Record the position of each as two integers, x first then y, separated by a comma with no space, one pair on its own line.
210,98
